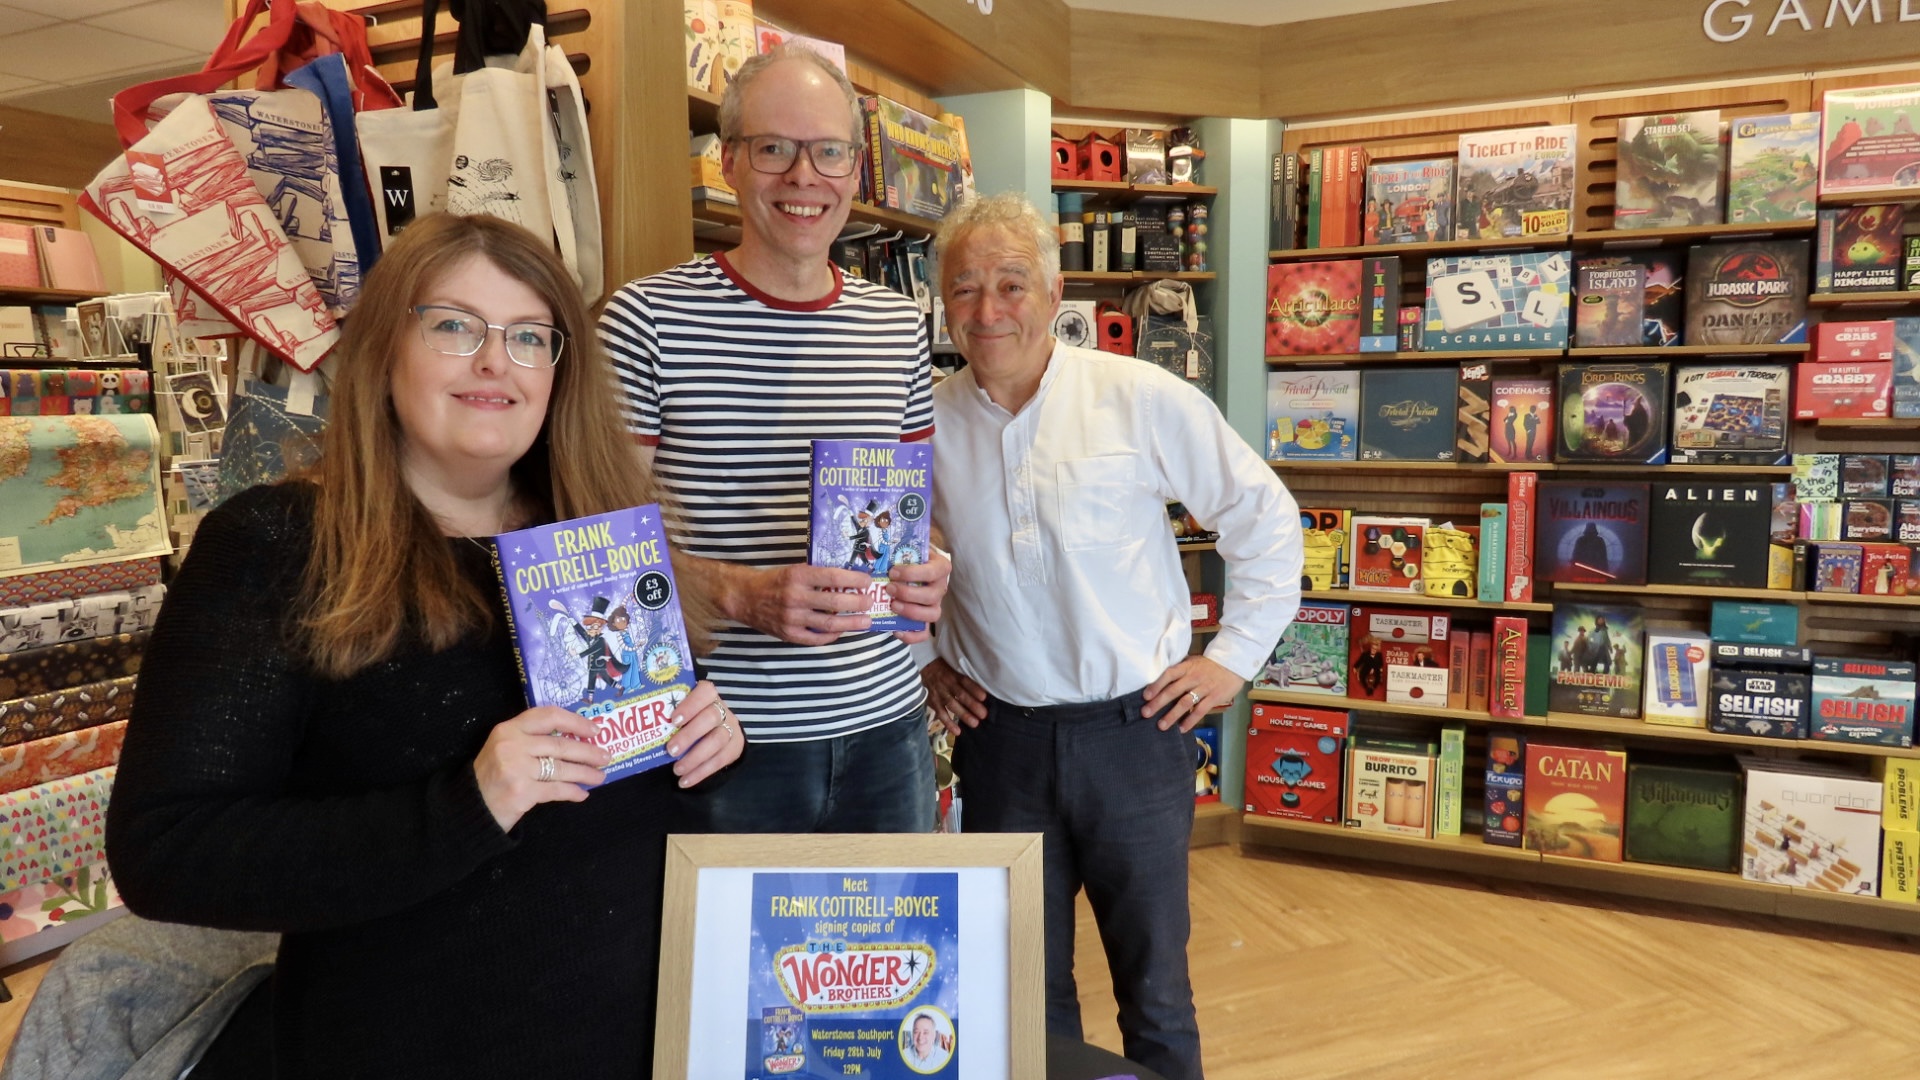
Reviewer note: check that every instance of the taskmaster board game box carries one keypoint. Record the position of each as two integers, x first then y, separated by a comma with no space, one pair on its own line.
1731,414
1398,656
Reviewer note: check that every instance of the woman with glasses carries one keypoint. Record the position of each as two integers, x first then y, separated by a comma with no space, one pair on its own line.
331,742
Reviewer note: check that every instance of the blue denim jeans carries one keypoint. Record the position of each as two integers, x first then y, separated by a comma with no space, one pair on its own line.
878,780
1112,795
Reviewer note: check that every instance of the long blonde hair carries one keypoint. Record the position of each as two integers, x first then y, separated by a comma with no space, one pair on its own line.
381,569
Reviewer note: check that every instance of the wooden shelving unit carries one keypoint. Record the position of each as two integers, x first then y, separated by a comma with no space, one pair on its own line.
1663,352
1371,596
1436,247
1123,277
1119,191
46,296
1606,238
1864,299
1515,356
1391,467
1782,595
1879,423
1868,599
722,216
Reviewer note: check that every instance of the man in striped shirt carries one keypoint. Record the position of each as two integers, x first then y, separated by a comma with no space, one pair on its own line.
731,364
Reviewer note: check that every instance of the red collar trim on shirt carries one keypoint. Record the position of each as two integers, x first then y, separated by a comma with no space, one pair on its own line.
822,304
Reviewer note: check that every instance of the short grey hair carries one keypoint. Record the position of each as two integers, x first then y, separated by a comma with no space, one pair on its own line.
731,102
1008,210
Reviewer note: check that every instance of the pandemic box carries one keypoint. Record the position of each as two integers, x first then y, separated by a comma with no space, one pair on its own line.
1520,419
1760,691
1863,700
1576,801
1311,657
1731,414
1293,762
1505,788
1390,790
1811,826
1683,812
1398,656
1747,292
1592,533
1313,415
1676,678
1613,414
1597,662
914,159
1407,414
1479,303
1710,534
1313,308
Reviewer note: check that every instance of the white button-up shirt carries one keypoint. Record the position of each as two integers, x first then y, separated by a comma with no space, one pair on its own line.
1067,584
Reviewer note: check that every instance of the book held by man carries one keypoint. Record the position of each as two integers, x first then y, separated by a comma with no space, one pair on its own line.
597,628
871,503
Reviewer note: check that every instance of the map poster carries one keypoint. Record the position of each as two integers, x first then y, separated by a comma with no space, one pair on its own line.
78,491
853,974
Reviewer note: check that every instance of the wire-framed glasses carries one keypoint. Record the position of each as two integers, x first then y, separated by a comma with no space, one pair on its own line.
776,154
457,332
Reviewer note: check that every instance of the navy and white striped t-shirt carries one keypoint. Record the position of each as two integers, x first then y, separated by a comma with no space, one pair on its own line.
730,385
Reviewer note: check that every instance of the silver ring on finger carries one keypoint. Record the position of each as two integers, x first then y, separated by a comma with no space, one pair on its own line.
1195,695
547,769
724,725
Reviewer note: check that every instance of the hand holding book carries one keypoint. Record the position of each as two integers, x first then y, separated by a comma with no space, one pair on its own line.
542,755
706,738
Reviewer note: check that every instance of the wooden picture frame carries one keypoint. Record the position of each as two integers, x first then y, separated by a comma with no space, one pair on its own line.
707,919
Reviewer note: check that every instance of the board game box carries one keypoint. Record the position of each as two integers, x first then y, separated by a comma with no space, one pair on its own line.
1668,170
1505,781
1613,413
1594,533
1597,655
1473,411
1859,249
1407,414
1869,340
871,503
1731,414
1520,426
1293,762
1610,306
1710,534
1311,656
1517,182
1313,414
1868,140
1747,292
1773,170
1810,825
1313,308
914,159
1386,553
1863,700
1663,308
1906,368
1683,814
1824,388
1409,202
1398,656
1390,791
1516,301
1323,533
1676,679
1760,691
1576,801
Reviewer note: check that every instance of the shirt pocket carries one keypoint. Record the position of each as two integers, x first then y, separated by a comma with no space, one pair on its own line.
1094,494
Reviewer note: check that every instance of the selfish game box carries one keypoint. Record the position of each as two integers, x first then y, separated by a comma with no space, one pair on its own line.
1293,762
1863,701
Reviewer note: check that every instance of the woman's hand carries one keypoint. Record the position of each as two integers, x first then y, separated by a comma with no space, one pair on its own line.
543,755
708,738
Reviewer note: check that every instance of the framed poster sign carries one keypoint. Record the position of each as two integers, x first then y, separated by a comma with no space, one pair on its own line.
888,957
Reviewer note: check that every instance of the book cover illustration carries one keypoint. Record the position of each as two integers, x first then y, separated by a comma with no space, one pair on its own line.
1495,302
1313,415
1576,801
1515,183
1313,308
1593,533
1597,655
1731,415
597,628
1859,249
1711,534
914,159
1747,292
1611,305
870,503
1669,167
1409,202
1311,657
1407,414
1772,168
1613,413
1663,309
1521,427
1868,140
869,962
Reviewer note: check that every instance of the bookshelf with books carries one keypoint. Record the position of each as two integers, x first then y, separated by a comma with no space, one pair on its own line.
1380,476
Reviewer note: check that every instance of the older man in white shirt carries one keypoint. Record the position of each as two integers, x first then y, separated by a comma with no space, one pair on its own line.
1064,652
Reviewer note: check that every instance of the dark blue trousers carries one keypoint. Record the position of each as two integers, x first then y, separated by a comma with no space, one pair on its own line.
1113,796
875,781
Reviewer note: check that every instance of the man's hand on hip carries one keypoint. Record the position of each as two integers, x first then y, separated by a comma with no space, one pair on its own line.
1186,691
953,698
917,590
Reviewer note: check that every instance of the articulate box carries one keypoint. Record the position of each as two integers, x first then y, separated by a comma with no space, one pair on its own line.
1683,815
1313,308
1863,701
1613,414
1576,801
1592,533
1293,762
1747,292
1311,657
1598,653
1407,414
1676,678
1810,826
1313,415
1731,414
1710,534
1390,791
1478,303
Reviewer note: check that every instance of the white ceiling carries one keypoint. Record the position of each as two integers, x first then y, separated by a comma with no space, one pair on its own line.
67,57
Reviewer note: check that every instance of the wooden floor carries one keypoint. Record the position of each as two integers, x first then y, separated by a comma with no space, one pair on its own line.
1307,967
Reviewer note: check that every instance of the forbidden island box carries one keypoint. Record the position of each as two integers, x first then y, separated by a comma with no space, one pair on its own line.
1811,826
1293,762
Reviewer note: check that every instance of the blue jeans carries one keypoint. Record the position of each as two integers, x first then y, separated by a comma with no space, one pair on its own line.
878,780
1112,796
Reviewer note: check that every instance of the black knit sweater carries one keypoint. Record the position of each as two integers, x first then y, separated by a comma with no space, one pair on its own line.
420,940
